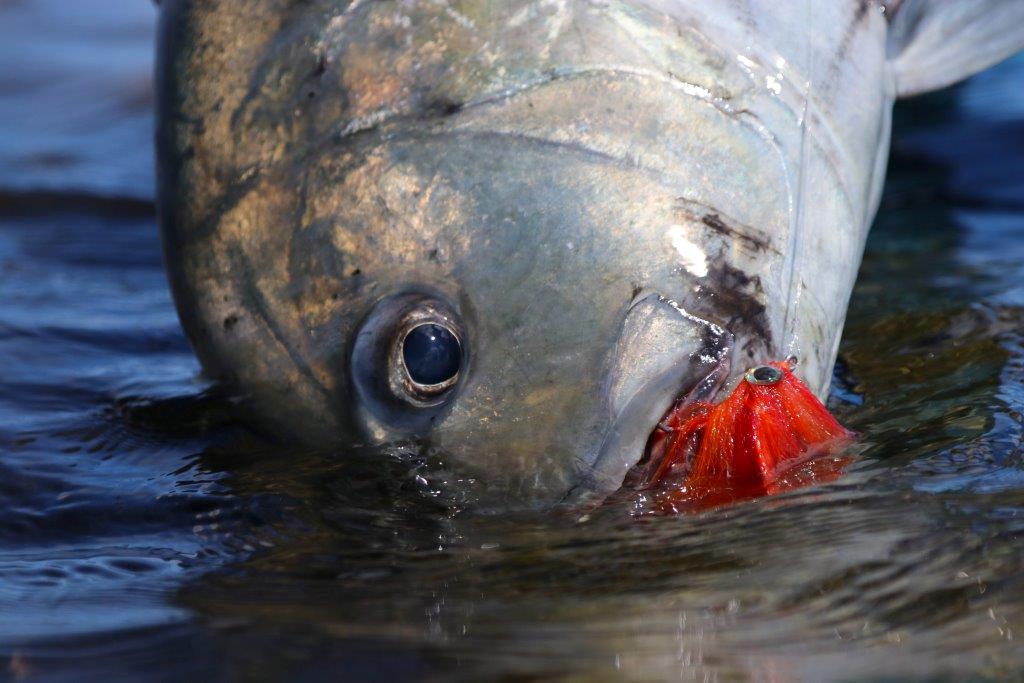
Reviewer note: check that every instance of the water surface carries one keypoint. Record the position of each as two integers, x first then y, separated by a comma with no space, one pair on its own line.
145,534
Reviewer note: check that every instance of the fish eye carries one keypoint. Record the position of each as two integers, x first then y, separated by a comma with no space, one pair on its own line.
426,355
407,361
431,357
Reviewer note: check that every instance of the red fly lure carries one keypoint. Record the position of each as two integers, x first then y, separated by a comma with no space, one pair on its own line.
772,434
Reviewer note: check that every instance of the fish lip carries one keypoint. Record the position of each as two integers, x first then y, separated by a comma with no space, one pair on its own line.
625,447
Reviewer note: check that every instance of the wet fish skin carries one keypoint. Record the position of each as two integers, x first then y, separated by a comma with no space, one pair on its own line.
605,198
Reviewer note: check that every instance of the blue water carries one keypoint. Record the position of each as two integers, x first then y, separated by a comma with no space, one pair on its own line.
144,534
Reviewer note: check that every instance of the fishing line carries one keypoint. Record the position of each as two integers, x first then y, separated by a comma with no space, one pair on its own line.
789,274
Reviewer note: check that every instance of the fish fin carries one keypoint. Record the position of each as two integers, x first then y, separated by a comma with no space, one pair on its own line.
935,43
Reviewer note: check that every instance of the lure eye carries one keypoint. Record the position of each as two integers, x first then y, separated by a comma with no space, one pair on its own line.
763,374
431,358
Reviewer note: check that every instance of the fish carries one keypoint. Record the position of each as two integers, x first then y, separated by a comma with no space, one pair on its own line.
512,234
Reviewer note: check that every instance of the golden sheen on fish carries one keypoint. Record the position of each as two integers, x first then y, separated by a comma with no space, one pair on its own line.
514,232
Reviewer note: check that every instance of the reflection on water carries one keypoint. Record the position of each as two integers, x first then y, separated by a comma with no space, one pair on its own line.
75,96
144,534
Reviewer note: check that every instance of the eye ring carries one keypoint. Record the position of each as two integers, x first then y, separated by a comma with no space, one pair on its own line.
429,391
401,380
389,403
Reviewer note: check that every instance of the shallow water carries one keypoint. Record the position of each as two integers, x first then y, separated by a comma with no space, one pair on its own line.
144,534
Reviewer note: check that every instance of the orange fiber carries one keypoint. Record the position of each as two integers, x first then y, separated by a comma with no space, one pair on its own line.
740,448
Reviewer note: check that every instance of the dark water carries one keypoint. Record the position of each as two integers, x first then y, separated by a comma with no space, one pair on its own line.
144,535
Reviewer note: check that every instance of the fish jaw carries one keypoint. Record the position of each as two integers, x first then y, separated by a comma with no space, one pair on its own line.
662,348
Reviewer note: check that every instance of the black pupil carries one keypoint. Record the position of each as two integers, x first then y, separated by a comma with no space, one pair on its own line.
432,354
767,373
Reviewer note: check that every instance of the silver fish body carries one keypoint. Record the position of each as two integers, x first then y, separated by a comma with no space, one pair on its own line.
603,202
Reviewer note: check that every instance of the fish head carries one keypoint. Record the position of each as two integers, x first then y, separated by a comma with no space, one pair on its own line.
419,222
516,307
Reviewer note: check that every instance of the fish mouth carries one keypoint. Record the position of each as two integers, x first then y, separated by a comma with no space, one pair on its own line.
630,453
665,358
771,434
643,473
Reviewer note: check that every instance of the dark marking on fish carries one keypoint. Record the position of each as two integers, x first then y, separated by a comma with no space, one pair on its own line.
261,307
752,347
751,238
743,15
713,221
742,297
263,68
440,107
862,10
238,189
716,342
231,321
857,24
